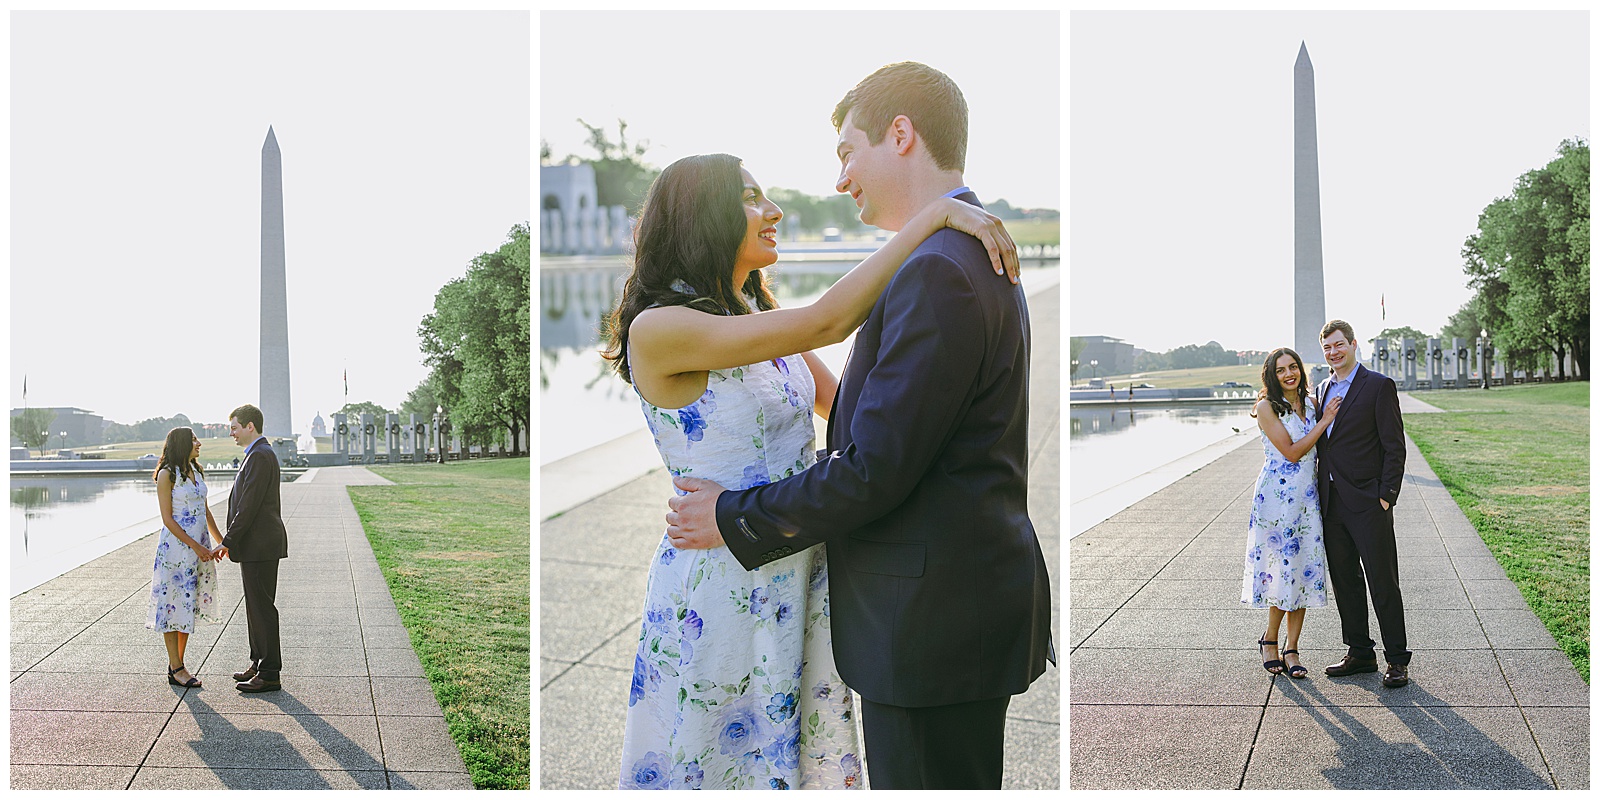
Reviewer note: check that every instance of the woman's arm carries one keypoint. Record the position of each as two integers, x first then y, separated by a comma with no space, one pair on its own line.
827,384
1267,420
164,497
675,340
211,525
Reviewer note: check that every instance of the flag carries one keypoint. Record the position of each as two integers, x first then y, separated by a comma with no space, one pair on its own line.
347,383
24,388
1383,308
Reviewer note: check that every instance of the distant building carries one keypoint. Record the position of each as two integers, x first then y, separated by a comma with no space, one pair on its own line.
1255,358
84,428
318,427
1115,356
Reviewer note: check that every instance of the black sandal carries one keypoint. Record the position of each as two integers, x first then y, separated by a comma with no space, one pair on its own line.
1298,670
1274,666
191,684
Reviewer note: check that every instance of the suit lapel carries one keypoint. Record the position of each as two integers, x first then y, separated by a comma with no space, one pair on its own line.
1358,380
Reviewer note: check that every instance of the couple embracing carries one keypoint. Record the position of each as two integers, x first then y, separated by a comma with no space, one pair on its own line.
898,564
1324,508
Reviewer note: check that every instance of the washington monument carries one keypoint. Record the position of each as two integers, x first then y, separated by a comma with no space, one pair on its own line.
1310,308
274,396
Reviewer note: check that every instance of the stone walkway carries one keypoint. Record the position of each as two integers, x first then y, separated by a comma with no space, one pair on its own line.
90,708
1168,691
592,567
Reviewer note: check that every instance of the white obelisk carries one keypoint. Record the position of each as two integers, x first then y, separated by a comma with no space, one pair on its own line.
274,296
1310,307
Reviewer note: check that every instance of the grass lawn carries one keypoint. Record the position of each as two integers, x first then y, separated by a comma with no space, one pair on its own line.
1034,232
212,451
1516,459
1202,377
453,543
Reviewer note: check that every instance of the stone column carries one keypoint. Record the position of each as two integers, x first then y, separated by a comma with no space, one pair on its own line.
274,391
1309,304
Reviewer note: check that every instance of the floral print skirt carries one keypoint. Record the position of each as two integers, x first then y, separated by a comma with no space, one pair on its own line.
734,684
184,588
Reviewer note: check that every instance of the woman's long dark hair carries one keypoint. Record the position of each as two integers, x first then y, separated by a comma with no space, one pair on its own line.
688,237
175,456
1273,391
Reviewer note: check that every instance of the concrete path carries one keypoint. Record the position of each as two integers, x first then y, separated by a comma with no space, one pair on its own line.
91,708
1168,692
592,567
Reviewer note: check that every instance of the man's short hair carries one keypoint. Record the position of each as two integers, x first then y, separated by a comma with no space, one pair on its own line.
924,95
248,414
1338,325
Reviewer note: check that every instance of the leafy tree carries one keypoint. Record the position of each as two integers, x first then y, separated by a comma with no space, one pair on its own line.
420,401
478,343
355,410
1397,337
32,428
1529,262
620,173
1075,345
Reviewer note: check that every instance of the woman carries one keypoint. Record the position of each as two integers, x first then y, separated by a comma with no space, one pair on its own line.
734,684
1285,567
185,584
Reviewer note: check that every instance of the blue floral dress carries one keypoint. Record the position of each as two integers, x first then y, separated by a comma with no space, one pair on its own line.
184,588
734,684
1285,565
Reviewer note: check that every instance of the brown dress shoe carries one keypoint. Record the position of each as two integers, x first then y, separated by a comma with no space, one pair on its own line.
256,685
248,673
1350,665
1395,676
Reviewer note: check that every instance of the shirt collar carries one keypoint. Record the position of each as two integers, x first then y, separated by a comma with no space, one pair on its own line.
957,192
1350,377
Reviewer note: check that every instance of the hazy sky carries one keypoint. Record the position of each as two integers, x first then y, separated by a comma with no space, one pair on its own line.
1181,164
761,85
136,184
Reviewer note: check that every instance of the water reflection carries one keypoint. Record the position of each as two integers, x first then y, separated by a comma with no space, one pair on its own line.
582,401
1112,444
59,522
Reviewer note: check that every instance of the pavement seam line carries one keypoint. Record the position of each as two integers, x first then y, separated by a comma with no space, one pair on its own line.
1272,684
1494,651
1149,580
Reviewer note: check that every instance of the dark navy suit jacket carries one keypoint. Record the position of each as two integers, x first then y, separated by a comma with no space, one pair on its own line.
938,589
1365,453
255,510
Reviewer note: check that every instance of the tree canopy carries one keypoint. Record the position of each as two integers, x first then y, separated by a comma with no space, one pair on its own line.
32,428
1529,263
478,343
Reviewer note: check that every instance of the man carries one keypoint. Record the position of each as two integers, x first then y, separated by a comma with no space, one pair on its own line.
256,541
1361,460
939,593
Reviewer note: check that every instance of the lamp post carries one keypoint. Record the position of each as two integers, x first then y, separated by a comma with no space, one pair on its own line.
1483,345
438,427
63,443
1074,370
1094,368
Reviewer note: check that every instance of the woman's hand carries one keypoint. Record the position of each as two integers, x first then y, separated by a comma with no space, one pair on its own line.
201,551
1331,410
987,228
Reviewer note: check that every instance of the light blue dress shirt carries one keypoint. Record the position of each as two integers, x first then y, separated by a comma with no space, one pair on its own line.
1338,388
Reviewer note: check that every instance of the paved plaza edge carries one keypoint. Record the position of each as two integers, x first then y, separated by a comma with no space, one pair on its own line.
91,709
1167,690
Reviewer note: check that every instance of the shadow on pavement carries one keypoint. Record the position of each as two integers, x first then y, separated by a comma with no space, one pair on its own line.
1366,760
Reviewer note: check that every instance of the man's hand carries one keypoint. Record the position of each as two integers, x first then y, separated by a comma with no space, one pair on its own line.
1384,503
220,552
692,522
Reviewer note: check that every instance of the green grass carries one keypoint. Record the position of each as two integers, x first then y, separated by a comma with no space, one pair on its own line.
1516,459
1203,377
453,544
1034,232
